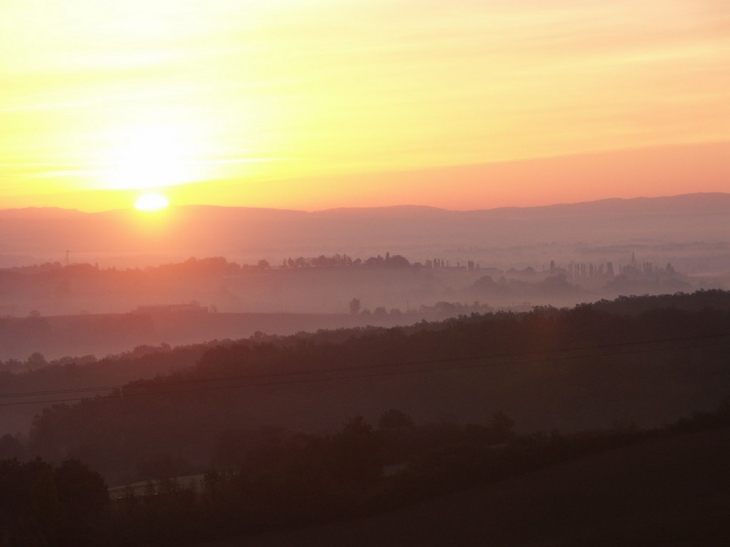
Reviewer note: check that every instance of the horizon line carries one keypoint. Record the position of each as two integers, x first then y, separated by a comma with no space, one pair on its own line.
173,206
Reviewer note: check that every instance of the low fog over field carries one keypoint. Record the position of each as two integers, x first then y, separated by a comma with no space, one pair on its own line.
78,283
687,229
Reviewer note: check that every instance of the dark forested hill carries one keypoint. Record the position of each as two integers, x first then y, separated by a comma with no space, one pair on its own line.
671,492
589,366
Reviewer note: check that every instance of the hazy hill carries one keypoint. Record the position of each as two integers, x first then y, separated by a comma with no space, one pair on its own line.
275,409
592,366
418,232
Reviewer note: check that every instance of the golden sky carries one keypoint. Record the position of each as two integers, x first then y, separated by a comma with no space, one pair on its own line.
314,104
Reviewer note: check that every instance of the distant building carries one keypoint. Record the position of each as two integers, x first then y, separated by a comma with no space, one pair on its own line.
170,309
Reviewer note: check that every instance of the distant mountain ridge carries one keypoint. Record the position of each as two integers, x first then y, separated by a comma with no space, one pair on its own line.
40,212
701,202
409,230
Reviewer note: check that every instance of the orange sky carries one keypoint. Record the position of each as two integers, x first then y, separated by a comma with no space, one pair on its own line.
330,103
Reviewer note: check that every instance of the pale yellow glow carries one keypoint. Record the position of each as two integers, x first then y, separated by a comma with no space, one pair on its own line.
149,157
110,95
151,202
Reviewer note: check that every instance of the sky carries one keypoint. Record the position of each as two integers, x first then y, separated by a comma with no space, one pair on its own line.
348,103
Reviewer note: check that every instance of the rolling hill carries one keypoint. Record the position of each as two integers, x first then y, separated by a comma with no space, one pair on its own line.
670,492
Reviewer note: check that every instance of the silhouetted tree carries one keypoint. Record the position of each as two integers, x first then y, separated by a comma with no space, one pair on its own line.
354,452
395,419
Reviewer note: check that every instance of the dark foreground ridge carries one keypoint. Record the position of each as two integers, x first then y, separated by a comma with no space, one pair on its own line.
669,492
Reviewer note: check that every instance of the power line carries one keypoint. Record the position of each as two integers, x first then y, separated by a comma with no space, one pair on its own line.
57,391
279,378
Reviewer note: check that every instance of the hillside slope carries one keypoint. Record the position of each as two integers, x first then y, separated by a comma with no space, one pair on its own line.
670,492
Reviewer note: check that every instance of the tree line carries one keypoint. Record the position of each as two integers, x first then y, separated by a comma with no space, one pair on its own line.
277,480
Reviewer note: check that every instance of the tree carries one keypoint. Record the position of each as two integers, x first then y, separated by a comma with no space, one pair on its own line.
11,447
354,452
84,502
36,359
355,306
45,505
395,419
502,426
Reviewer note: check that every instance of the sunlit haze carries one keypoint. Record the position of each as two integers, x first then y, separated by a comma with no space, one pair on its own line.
311,105
151,202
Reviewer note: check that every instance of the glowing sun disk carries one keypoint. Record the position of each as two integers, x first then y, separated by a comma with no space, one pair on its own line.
151,202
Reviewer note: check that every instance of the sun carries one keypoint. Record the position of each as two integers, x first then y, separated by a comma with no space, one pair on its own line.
151,202
149,157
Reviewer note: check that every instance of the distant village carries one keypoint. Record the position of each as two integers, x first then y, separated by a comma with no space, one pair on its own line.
45,307
573,270
489,283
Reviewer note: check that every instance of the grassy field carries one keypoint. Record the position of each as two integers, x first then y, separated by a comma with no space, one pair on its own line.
668,492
